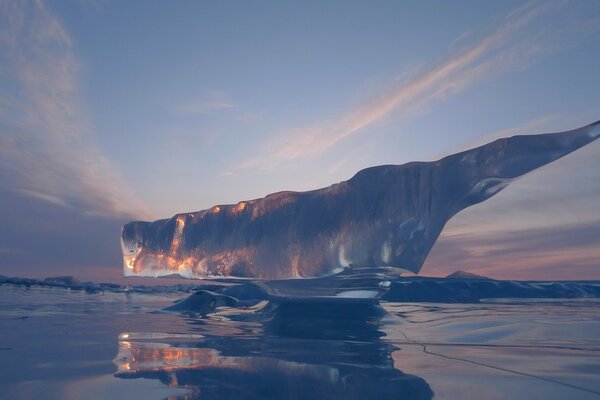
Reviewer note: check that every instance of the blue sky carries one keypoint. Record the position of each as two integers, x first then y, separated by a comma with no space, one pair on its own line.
111,111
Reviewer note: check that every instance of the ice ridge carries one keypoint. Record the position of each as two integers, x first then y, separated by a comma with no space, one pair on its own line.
388,215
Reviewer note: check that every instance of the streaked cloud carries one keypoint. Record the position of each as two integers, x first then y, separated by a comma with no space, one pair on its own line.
47,146
501,49
551,252
9,250
543,225
212,102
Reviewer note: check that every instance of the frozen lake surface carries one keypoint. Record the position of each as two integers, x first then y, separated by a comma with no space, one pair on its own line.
62,344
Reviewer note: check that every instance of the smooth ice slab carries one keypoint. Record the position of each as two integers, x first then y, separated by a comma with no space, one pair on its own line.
389,215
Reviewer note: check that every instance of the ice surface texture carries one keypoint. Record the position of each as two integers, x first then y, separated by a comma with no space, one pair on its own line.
389,215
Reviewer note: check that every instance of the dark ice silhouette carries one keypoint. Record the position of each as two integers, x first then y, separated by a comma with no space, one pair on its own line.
389,215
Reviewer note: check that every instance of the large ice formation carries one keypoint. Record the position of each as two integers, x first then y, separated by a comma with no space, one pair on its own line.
389,215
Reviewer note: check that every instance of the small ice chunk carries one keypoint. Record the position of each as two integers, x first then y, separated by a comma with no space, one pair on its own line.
358,294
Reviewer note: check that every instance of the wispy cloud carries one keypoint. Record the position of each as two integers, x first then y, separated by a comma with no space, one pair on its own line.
505,47
47,145
9,250
210,102
544,226
204,106
546,253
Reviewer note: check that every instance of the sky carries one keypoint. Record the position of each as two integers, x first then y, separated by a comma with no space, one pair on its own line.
112,111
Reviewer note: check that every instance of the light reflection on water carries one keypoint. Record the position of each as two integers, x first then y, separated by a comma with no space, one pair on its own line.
546,350
62,344
291,351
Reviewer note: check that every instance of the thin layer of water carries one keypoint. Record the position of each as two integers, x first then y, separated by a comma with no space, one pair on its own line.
62,344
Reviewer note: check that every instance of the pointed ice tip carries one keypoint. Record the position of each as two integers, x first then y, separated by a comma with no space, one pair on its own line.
595,130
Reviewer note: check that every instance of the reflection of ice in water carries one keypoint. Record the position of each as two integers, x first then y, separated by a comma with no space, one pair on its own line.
136,357
547,350
303,351
57,343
